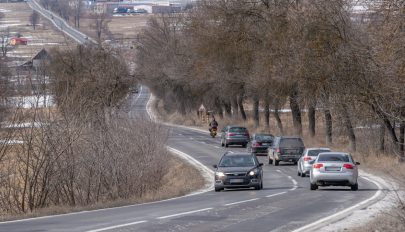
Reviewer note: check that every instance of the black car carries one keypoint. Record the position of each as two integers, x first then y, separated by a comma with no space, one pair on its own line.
259,143
234,135
286,149
238,170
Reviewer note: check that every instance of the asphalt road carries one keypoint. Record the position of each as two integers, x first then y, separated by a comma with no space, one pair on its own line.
285,203
59,22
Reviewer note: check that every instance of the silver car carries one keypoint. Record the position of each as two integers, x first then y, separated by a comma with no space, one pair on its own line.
334,169
309,154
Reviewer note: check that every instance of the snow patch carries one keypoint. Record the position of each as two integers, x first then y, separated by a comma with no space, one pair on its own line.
28,102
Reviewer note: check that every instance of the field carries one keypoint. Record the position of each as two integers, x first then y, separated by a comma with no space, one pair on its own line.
16,20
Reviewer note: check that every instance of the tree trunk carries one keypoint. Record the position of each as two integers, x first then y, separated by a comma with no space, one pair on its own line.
267,112
228,109
279,122
218,108
390,128
381,147
235,110
311,120
241,108
328,126
256,111
401,138
296,113
349,128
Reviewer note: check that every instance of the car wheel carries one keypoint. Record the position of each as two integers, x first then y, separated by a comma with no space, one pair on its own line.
314,186
261,185
270,161
295,163
222,143
218,189
355,187
226,144
244,145
276,162
299,173
303,174
257,187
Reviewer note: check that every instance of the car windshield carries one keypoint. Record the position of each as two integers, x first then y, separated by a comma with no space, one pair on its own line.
264,137
237,161
291,142
316,152
237,129
333,158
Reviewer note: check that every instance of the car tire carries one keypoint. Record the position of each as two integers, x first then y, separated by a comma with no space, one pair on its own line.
299,173
295,163
314,186
276,162
270,161
261,185
303,174
218,189
244,145
226,144
257,187
222,143
355,187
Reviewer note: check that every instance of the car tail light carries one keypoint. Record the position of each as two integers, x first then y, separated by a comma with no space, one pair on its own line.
307,158
231,134
256,144
317,166
348,166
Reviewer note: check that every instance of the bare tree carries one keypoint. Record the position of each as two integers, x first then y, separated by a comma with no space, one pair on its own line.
100,24
5,41
34,19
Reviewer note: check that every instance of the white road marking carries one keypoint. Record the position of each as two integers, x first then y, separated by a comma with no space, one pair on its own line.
180,134
239,202
276,194
117,226
203,142
181,214
278,170
217,147
191,138
295,183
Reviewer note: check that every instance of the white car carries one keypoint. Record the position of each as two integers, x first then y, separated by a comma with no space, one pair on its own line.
334,169
304,163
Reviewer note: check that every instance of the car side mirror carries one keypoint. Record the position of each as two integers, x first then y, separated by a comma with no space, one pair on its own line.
215,166
260,164
357,163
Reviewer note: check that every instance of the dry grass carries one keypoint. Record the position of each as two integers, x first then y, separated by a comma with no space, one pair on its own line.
179,180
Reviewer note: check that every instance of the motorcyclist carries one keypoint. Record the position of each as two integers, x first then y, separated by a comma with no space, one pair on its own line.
213,124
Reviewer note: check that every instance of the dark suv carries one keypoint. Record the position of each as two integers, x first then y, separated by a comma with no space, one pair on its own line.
286,149
234,135
238,170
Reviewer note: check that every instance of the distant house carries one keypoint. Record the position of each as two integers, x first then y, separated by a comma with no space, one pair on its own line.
18,41
39,60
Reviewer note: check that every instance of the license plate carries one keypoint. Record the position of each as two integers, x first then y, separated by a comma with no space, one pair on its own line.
266,144
332,169
233,181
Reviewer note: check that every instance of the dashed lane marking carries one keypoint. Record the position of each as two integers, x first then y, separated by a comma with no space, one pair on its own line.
184,213
239,202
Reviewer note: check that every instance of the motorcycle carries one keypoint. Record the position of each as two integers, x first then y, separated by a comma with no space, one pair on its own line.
213,132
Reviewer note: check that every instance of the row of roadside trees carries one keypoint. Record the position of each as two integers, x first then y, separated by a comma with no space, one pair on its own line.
334,58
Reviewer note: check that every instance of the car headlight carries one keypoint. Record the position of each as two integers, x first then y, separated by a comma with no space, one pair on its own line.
252,173
220,174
